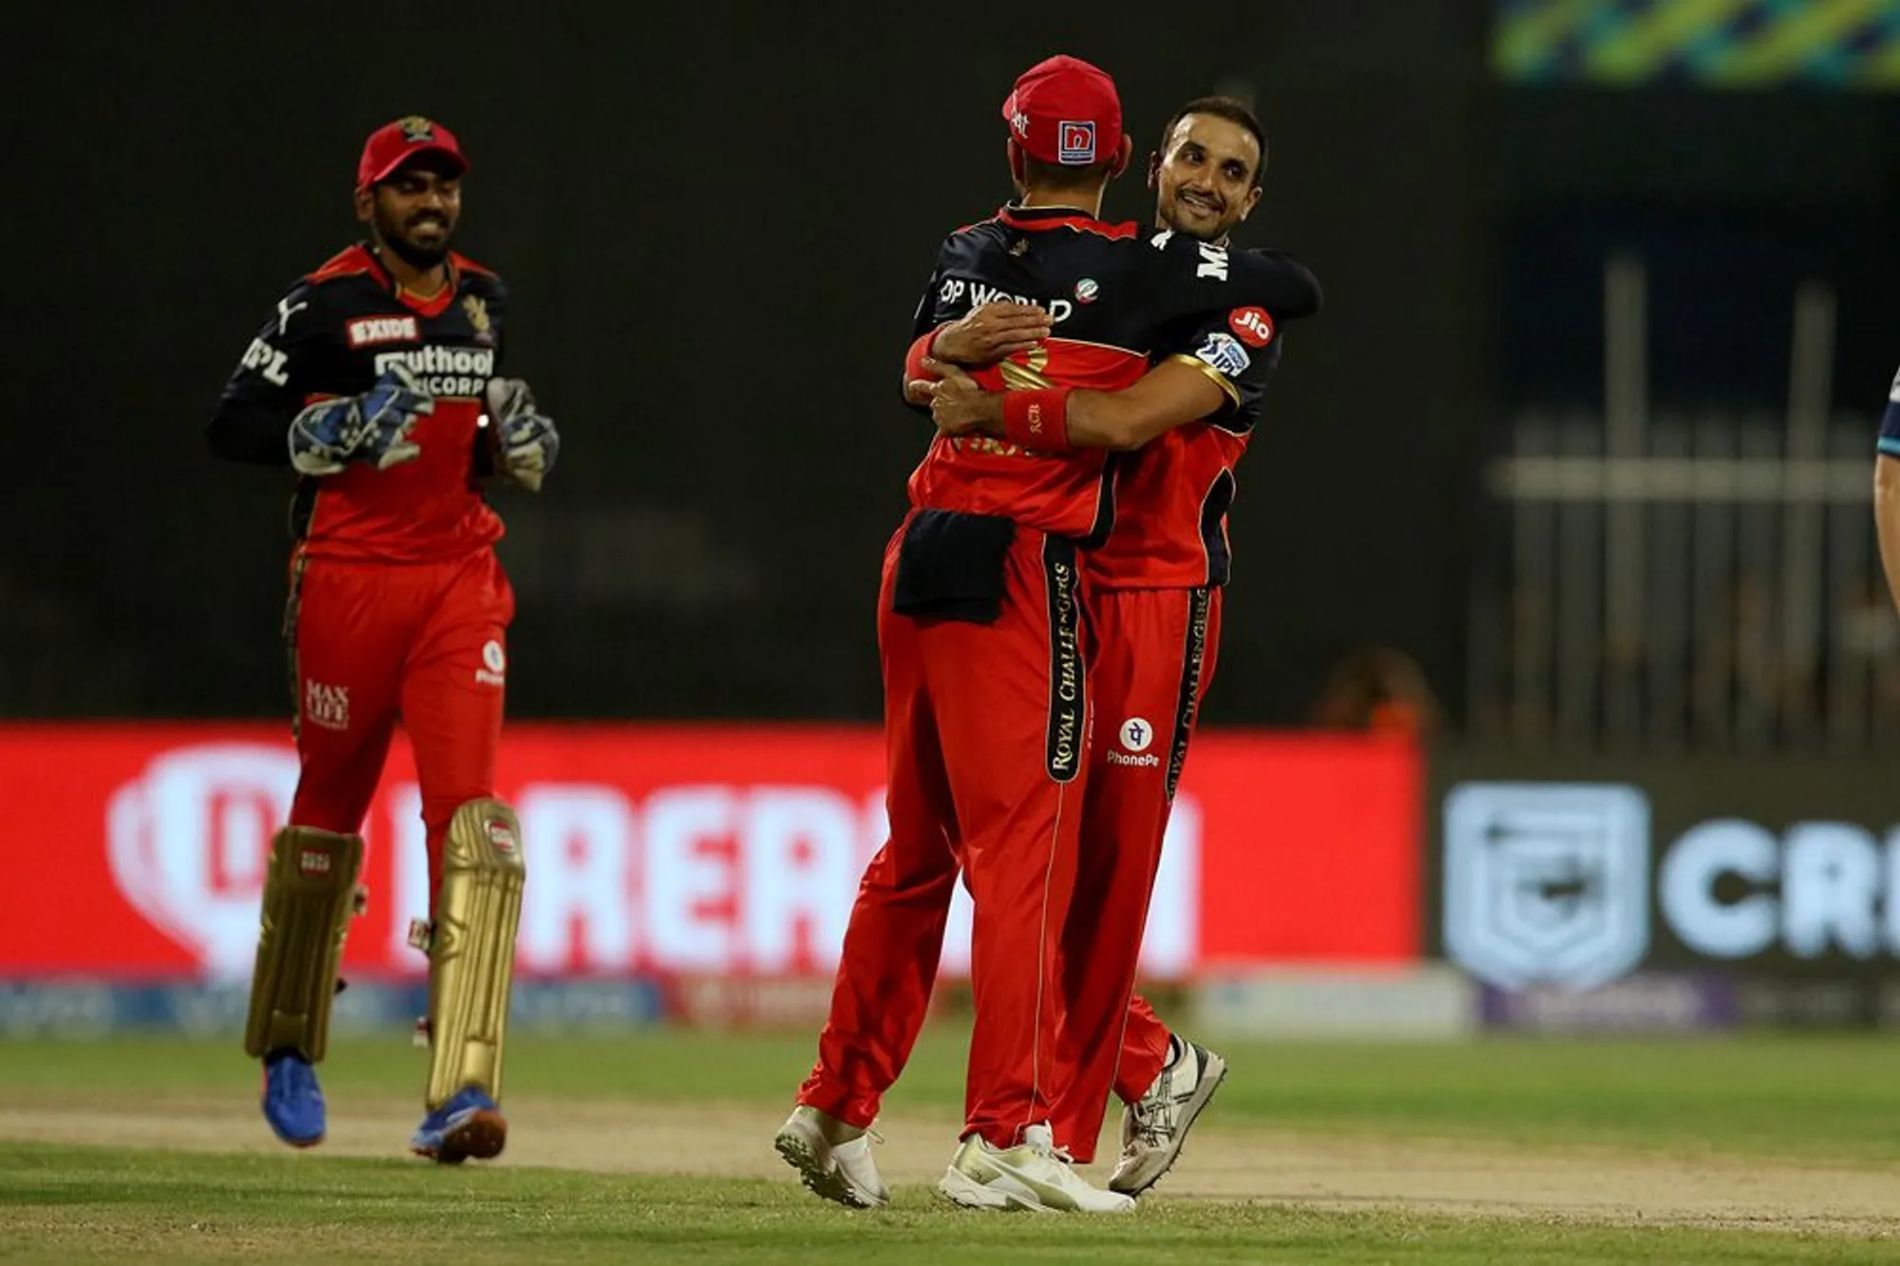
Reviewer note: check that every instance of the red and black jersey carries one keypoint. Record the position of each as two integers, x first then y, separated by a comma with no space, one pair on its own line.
1174,492
1114,294
334,334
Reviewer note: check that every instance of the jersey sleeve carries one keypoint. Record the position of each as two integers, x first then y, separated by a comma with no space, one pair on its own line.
922,323
1239,350
1186,277
270,383
1889,441
925,319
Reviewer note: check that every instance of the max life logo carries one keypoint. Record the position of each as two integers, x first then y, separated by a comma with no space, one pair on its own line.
326,705
714,876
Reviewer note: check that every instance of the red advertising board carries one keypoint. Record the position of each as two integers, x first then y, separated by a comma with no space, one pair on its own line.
137,851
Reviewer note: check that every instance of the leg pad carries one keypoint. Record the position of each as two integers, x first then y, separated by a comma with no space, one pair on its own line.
472,949
309,896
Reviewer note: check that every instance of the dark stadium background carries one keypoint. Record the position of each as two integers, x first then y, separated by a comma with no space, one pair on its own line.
715,220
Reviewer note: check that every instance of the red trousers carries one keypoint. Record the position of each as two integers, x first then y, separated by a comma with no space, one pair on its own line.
372,643
966,716
986,728
1153,659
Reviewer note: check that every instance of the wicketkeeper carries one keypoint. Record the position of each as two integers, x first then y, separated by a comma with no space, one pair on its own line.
375,380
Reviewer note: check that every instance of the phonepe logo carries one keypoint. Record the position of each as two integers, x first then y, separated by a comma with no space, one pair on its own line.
1546,882
1549,883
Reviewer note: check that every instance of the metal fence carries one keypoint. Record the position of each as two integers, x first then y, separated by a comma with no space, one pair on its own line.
1705,582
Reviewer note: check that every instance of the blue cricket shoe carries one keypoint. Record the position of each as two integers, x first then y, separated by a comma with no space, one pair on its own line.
293,1102
469,1124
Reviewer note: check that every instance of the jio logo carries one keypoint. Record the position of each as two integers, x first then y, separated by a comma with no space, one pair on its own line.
1137,734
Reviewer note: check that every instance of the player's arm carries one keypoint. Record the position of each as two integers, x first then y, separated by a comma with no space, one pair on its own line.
1887,492
1219,378
273,412
267,388
1234,348
981,336
1177,391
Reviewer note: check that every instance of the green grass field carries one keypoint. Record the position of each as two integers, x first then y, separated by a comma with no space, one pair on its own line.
1802,1129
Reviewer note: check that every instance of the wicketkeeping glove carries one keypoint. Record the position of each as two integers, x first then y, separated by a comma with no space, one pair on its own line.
372,427
526,442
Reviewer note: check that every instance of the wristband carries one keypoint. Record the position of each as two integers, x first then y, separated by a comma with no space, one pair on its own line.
1038,419
914,359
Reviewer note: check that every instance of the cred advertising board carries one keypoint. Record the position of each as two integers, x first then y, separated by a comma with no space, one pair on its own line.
1577,872
138,851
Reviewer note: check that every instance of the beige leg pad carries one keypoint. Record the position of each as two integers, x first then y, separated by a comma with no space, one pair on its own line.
472,952
309,895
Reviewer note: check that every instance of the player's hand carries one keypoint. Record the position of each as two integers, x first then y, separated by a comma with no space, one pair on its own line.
988,333
525,440
918,391
390,410
959,406
374,426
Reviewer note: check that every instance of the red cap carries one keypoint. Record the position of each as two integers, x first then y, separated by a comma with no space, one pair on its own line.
1065,111
393,144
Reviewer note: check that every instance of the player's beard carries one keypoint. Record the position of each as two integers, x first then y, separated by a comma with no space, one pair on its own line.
412,253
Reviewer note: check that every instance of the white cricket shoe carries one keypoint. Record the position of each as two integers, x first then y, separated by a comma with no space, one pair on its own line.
833,1159
1155,1125
1034,1174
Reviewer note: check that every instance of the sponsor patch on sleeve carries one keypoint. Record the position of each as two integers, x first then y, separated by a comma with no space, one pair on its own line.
1252,325
1223,352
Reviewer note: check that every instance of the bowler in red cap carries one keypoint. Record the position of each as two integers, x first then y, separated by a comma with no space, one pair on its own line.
1065,114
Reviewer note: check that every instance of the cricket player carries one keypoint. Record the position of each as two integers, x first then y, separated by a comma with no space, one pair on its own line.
1887,491
375,381
1156,602
983,639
